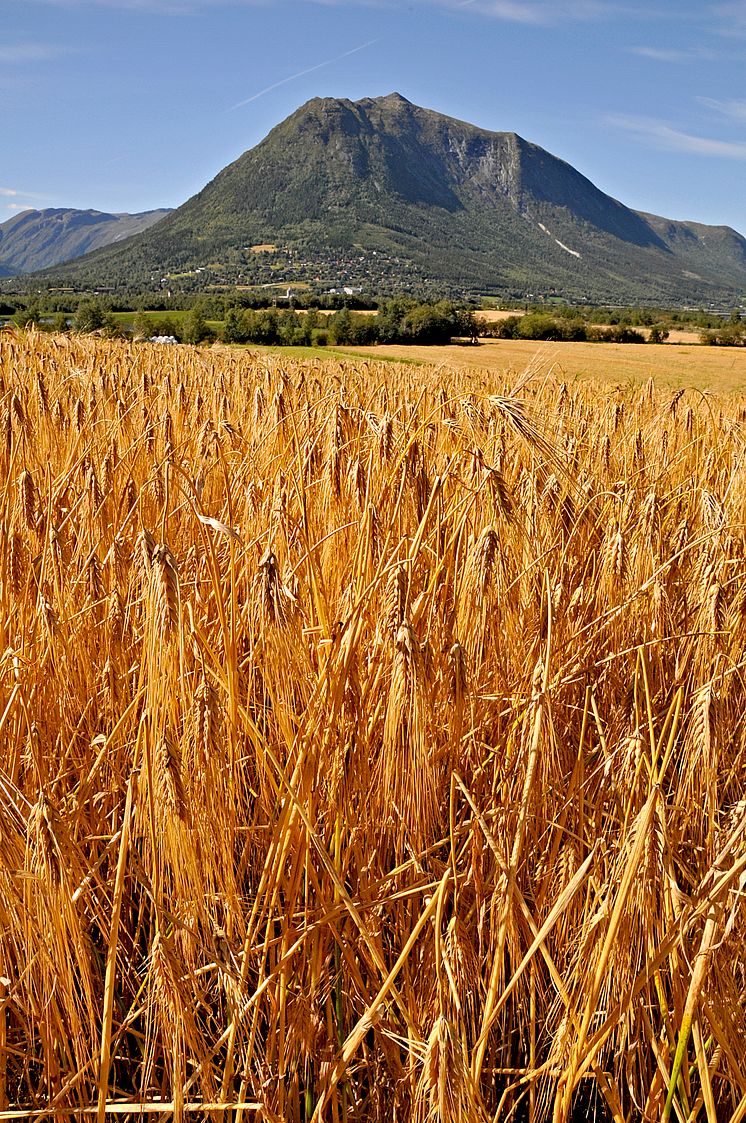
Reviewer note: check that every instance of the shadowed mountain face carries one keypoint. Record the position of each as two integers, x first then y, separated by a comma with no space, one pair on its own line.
37,239
391,190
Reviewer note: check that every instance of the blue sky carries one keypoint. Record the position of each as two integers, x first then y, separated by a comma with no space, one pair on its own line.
125,105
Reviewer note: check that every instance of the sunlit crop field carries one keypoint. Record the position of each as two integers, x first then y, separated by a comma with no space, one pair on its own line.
672,365
371,741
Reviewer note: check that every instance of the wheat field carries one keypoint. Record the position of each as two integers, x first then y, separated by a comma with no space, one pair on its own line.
371,742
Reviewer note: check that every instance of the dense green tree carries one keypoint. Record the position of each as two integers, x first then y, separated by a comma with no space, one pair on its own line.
501,329
234,327
142,327
293,329
165,325
728,335
429,323
538,325
94,315
196,329
340,327
391,317
27,317
466,323
89,316
266,327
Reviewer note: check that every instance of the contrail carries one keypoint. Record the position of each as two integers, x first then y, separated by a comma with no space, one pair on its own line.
301,73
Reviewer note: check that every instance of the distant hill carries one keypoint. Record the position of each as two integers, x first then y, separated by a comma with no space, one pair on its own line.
34,240
384,194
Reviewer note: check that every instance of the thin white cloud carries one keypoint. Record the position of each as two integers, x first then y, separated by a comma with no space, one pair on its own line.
15,53
154,7
537,12
163,7
302,73
508,10
17,207
546,13
660,135
735,110
15,193
674,54
729,18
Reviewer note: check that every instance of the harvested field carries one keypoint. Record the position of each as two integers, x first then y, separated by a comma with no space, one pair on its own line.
721,369
370,748
495,315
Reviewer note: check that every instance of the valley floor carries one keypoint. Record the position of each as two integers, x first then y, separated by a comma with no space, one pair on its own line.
691,366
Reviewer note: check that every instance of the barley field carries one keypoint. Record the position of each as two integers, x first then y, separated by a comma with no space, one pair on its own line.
371,742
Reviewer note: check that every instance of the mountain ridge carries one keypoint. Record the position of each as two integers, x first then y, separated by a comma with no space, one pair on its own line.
37,239
381,192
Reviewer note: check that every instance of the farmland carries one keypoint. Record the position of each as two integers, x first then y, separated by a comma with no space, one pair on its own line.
676,364
371,736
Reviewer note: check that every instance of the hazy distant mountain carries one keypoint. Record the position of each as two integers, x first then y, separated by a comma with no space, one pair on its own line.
380,192
38,239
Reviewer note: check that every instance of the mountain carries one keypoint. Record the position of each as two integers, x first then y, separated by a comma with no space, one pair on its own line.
38,239
383,194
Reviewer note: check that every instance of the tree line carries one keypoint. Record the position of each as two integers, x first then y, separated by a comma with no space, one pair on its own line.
570,329
401,320
250,318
